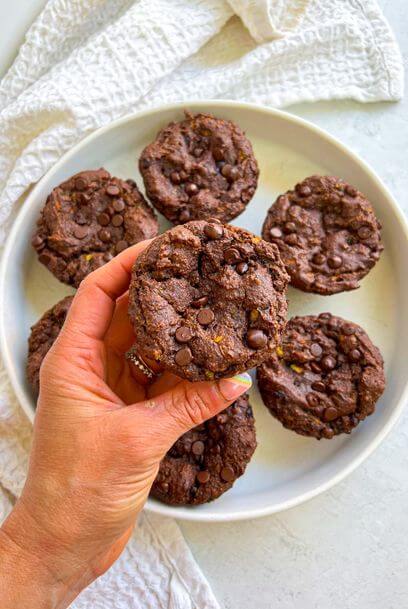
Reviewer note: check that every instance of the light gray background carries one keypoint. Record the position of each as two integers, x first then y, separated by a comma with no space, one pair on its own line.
347,549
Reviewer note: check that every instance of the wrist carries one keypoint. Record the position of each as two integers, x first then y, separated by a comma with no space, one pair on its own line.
27,578
24,579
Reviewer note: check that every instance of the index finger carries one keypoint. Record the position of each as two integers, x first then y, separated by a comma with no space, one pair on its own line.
92,309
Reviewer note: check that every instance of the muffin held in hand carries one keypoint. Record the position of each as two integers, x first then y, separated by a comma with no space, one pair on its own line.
325,377
327,235
199,168
206,461
208,301
87,220
42,336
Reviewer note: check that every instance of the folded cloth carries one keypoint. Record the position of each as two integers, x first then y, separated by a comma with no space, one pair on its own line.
85,63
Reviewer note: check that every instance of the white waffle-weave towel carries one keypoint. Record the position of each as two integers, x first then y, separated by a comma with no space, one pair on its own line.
85,63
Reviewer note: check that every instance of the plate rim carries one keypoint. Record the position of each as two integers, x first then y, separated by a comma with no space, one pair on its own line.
185,512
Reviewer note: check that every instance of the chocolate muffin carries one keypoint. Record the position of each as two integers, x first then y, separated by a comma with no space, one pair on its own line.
327,235
206,461
199,168
208,301
325,377
87,220
42,336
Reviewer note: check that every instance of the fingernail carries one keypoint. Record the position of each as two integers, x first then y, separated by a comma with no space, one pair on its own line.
235,386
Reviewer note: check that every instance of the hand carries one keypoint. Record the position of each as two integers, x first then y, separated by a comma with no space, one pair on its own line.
99,435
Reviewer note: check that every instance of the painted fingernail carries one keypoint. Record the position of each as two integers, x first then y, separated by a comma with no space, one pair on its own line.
235,386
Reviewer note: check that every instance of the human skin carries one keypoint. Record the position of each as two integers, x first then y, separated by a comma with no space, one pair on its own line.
100,432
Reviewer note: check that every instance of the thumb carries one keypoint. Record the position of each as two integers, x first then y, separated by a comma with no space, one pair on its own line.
189,404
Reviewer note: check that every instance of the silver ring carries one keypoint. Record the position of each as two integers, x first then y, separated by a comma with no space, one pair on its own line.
133,357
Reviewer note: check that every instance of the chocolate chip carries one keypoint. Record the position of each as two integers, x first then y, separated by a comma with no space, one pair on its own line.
318,258
316,350
183,334
232,255
197,448
213,231
290,227
335,262
184,215
330,414
275,232
242,268
234,174
183,175
80,232
348,330
80,184
319,386
103,219
191,189
291,239
205,317
364,232
227,474
312,399
121,245
131,183
256,339
203,477
44,258
200,302
104,235
218,154
328,362
324,315
351,191
304,190
117,220
175,177
226,170
36,241
355,355
183,356
118,205
112,190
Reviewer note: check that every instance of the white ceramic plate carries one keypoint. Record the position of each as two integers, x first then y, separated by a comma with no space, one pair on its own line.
286,469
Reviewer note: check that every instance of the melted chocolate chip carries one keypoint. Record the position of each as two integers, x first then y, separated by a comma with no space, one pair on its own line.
213,231
205,317
103,219
256,339
200,302
227,474
112,190
183,357
232,255
80,232
197,448
183,334
118,205
121,245
275,232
